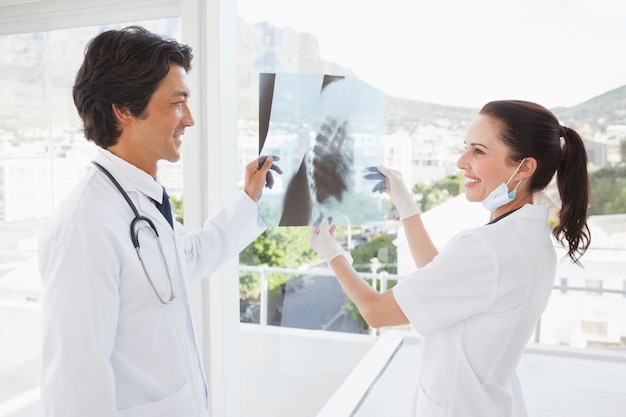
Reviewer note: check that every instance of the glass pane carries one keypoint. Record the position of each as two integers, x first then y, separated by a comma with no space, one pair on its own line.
42,153
436,70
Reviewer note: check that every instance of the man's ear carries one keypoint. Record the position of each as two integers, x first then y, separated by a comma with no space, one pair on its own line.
123,115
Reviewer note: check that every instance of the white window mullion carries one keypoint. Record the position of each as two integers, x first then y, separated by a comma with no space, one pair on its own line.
210,172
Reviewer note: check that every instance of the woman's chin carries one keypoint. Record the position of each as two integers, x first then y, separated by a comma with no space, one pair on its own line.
472,198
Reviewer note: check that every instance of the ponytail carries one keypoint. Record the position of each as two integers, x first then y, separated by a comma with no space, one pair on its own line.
531,130
573,184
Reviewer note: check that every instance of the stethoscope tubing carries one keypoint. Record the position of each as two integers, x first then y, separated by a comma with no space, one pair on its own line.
134,236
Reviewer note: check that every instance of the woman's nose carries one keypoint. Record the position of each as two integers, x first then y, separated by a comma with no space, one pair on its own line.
461,163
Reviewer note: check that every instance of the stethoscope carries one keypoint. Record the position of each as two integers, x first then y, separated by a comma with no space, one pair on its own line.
134,236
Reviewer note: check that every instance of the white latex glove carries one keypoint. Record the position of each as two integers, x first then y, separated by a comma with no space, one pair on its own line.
324,243
400,195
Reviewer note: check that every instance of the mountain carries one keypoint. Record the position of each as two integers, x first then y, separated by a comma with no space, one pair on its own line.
596,113
407,114
265,47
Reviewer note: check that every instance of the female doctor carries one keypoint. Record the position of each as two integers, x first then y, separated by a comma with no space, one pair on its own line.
118,338
477,301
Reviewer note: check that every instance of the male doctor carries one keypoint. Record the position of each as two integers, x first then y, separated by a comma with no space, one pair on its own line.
118,338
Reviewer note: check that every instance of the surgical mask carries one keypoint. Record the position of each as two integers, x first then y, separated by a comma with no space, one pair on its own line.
501,195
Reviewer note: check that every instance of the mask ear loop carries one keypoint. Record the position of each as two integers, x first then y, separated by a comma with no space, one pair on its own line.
513,174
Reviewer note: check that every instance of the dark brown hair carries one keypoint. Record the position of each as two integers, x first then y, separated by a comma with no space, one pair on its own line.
122,68
531,130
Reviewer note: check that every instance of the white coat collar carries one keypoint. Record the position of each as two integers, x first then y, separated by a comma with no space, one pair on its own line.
527,211
129,176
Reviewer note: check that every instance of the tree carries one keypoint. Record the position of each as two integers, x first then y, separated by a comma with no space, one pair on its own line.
262,251
178,209
373,248
607,189
381,243
435,197
270,249
281,247
430,196
618,205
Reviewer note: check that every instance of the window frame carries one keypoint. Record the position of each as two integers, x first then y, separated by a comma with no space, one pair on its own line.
210,153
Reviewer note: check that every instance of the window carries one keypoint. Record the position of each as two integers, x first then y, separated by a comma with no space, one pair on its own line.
437,69
43,152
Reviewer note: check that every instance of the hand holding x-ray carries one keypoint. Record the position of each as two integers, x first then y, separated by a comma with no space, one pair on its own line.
391,182
269,178
258,176
325,128
323,241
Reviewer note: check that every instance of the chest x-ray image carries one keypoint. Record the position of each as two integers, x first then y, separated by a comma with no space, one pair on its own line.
326,130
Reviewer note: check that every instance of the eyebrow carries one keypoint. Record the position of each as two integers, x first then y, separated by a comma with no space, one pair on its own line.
479,144
181,93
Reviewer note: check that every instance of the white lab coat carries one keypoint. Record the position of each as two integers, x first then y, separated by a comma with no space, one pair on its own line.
109,349
476,304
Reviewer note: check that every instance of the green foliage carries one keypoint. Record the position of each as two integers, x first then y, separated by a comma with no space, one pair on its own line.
434,198
264,251
282,247
618,205
379,246
429,196
352,309
608,191
178,209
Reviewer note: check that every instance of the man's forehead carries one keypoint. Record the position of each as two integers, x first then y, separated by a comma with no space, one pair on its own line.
175,83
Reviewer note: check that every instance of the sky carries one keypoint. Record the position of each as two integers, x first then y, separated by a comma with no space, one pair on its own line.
456,52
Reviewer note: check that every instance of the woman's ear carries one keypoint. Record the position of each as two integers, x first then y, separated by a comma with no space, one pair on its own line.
528,167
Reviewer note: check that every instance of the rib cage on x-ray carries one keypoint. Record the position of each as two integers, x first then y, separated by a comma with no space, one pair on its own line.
325,174
320,124
323,177
331,162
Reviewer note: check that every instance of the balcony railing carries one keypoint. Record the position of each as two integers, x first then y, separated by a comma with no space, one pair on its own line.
382,279
582,381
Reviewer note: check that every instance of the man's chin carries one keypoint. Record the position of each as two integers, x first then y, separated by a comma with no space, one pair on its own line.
173,158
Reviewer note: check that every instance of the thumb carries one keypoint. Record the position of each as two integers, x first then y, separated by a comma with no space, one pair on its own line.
265,164
324,226
387,172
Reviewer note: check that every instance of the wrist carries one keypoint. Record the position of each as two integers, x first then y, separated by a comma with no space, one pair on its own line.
406,207
338,256
408,212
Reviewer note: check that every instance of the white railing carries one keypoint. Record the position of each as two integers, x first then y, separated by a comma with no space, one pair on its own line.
383,278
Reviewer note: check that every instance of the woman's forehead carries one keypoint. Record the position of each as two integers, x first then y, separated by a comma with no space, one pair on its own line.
485,130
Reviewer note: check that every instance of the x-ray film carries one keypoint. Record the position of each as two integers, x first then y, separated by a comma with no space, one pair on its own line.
326,130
